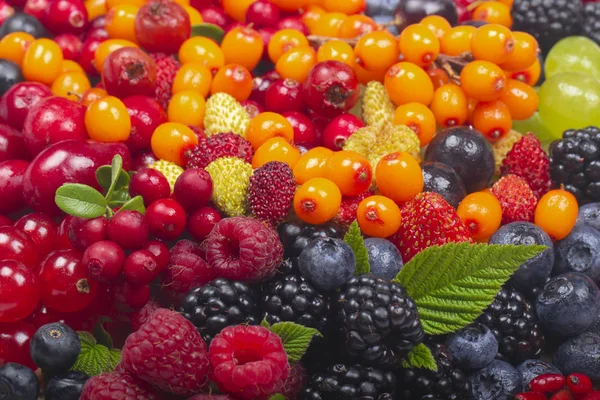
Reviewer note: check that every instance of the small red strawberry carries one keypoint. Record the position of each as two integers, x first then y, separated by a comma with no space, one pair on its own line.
166,68
428,220
347,212
516,198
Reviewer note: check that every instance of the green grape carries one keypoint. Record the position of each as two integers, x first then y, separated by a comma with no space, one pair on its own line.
574,54
534,124
569,100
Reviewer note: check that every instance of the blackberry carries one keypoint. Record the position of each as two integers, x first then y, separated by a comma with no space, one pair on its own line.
292,298
218,304
591,24
575,163
379,323
548,20
295,236
447,383
513,320
346,382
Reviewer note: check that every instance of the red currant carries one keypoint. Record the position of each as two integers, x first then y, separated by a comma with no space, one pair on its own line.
150,184
14,343
42,230
19,291
104,260
160,252
16,245
128,229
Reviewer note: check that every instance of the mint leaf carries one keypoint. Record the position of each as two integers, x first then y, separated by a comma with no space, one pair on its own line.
95,359
295,338
454,283
135,204
356,241
80,200
210,31
420,357
277,396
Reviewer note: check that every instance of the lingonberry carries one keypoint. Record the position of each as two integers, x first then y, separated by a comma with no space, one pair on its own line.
284,95
378,216
129,71
171,141
305,132
146,114
215,15
130,297
481,213
160,252
150,184
350,171
233,79
104,260
193,76
12,145
65,283
317,201
11,185
579,383
275,149
262,13
19,291
18,100
162,26
331,88
16,245
141,267
107,120
14,343
252,108
202,221
41,229
266,126
128,229
70,45
530,396
143,160
166,218
339,130
84,232
66,16
193,189
88,51
5,221
37,9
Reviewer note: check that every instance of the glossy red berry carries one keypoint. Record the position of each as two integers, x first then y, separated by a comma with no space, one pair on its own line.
547,383
141,267
37,8
16,245
579,383
201,222
150,184
18,100
193,189
128,229
12,145
146,115
19,291
292,22
284,95
566,394
260,85
70,45
166,218
85,232
530,396
5,221
104,260
215,15
331,88
305,131
143,160
262,13
88,52
42,230
129,71
11,185
253,108
160,252
66,16
14,343
339,130
162,26
131,297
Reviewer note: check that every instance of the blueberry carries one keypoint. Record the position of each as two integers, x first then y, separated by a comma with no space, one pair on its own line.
10,75
499,380
413,11
327,263
473,347
55,347
384,258
535,271
377,8
295,236
529,369
21,22
443,180
569,304
589,214
467,152
17,382
579,252
580,354
67,386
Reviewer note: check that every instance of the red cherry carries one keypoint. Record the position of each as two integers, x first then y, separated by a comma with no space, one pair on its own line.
18,100
19,291
14,343
193,189
331,88
284,95
104,260
16,245
262,13
143,160
215,15
293,22
66,16
128,229
162,26
88,51
252,107
65,284
129,71
146,115
305,132
70,44
202,222
37,8
12,145
160,252
42,230
339,130
150,184
11,185
166,218
141,267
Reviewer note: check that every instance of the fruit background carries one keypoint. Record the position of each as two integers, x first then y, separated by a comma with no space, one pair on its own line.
299,199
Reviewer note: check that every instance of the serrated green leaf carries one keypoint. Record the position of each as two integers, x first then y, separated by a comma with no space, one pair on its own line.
355,240
80,200
454,283
210,31
86,338
420,357
95,359
277,396
114,358
295,338
135,204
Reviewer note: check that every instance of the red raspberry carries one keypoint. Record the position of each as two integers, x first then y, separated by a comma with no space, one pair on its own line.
243,249
347,212
248,362
217,146
168,352
116,386
516,198
271,192
166,68
295,382
186,270
208,396
139,317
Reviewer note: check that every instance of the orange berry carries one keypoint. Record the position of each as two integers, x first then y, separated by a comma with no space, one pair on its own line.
492,119
70,66
120,22
347,7
365,76
243,46
329,24
284,40
236,9
290,5
311,164
492,42
42,61
95,8
312,16
14,45
483,80
350,171
436,24
419,45
471,107
337,50
406,82
450,106
107,120
107,47
317,201
524,53
296,63
419,118
529,75
195,16
378,216
171,141
493,12
275,149
192,77
438,77
187,107
377,50
234,80
520,98
508,3
91,95
481,213
113,3
556,213
399,177
266,126
71,85
357,25
457,40
201,50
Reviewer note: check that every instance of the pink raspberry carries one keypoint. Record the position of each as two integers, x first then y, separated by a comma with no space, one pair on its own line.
295,382
168,352
185,271
208,396
243,249
116,386
248,362
139,317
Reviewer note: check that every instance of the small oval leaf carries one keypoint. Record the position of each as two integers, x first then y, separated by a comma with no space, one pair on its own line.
80,200
135,204
210,31
103,174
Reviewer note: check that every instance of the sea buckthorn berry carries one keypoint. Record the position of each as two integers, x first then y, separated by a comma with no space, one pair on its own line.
419,45
107,120
311,164
347,7
71,66
275,149
243,46
337,50
399,177
236,9
113,3
436,24
471,108
520,98
187,107
95,8
357,25
195,16
457,40
201,50
296,63
312,15
377,50
450,106
317,201
234,80
14,45
492,118
378,216
120,22
171,141
493,12
556,213
529,75
365,76
71,85
329,24
350,171
290,5
193,76
524,53
91,95
107,47
492,42
42,61
266,126
284,40
481,213
438,77
419,118
483,80
406,82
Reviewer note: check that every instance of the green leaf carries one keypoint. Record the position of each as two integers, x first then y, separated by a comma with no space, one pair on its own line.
420,357
277,396
356,241
135,204
265,324
454,283
118,198
210,31
95,359
101,335
103,176
80,200
295,338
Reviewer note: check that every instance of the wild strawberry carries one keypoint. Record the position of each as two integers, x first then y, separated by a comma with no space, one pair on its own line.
166,68
347,212
516,198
